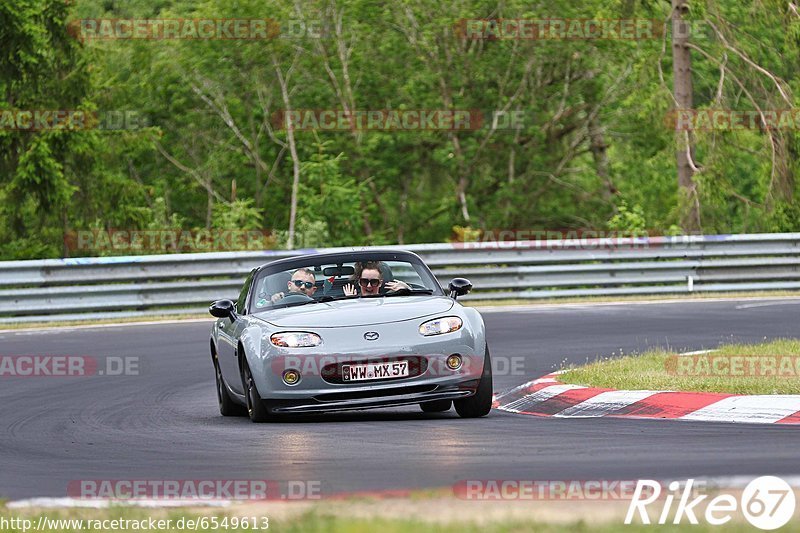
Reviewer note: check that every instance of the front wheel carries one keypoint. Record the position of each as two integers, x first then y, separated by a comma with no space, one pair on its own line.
256,408
481,402
227,407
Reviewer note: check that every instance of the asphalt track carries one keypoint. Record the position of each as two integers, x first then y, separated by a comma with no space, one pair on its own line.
164,423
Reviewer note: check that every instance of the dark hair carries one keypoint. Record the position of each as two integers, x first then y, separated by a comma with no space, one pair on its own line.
368,265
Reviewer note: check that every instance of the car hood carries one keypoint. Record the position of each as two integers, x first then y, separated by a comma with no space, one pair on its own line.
357,312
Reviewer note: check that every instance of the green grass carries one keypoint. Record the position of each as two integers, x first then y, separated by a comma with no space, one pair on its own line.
656,370
315,521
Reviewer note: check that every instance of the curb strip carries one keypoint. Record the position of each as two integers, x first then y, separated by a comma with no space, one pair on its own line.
547,396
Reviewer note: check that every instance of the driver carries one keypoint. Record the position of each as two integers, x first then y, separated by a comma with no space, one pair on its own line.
302,282
370,280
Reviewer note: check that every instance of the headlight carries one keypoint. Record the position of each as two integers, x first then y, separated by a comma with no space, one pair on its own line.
295,339
440,325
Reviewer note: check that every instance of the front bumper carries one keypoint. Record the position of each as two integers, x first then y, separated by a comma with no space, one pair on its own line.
386,397
399,341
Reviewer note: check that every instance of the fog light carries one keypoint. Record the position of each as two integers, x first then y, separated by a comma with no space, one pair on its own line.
291,377
454,362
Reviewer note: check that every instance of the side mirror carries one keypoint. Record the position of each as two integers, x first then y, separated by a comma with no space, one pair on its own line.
459,287
222,309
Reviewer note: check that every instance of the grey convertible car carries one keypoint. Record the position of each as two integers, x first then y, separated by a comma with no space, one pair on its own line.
344,331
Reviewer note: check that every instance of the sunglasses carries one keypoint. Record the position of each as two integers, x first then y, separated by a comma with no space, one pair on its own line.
366,282
299,283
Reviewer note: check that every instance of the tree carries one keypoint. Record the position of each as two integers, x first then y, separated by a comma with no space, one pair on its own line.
41,68
682,82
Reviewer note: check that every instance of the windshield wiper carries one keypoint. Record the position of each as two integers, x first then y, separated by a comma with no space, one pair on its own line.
279,305
401,292
330,298
407,292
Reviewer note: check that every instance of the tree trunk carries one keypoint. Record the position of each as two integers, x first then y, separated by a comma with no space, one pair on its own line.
293,152
782,189
64,232
599,149
209,208
295,180
684,153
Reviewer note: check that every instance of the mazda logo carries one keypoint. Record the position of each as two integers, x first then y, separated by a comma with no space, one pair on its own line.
371,335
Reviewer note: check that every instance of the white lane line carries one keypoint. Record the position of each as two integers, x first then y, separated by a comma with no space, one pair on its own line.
761,409
509,392
565,305
59,503
605,403
767,304
41,332
537,397
61,329
525,385
697,352
732,482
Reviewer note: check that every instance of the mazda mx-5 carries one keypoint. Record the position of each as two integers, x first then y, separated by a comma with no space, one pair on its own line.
344,331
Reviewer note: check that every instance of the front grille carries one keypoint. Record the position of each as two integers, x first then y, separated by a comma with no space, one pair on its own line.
332,373
377,393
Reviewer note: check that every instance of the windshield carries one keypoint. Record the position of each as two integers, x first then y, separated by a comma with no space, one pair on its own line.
328,281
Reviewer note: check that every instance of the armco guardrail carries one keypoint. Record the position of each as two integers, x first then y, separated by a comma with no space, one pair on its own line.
92,287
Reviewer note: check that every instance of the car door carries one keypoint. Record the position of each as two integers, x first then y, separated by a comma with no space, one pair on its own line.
228,335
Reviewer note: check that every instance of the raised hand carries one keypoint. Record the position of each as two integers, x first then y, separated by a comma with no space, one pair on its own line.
396,285
349,289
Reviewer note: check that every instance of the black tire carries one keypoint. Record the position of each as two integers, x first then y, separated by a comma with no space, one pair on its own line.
227,407
480,403
436,406
256,407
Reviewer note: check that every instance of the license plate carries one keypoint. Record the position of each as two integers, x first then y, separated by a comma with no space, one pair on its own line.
367,371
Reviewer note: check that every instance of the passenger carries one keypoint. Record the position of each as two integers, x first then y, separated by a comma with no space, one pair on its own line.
302,282
369,278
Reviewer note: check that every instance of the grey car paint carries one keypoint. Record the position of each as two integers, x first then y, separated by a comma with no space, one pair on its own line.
342,325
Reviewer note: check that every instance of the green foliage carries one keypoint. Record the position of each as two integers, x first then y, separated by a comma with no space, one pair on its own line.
785,218
593,130
239,215
308,234
329,197
160,218
628,221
